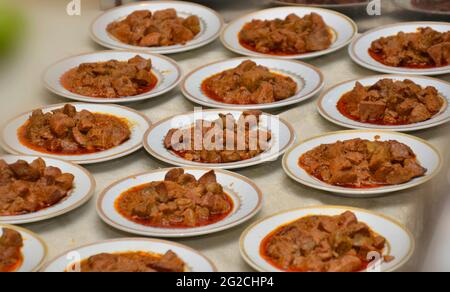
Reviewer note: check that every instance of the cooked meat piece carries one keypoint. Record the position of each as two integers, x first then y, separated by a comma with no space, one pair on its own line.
293,35
27,188
179,201
66,131
322,244
160,28
424,48
221,141
362,163
133,262
11,243
390,102
111,79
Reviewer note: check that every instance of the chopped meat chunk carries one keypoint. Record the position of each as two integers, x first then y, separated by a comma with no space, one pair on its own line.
11,243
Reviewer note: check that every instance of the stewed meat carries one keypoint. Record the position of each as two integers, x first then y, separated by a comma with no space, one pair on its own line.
180,201
422,49
68,131
224,140
323,244
249,83
432,5
132,262
30,187
362,163
391,102
11,243
292,35
155,29
111,79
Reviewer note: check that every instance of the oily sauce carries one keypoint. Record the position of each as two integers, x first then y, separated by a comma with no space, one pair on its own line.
212,218
15,266
67,84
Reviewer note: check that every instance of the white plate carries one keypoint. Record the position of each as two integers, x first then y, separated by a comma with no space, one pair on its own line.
210,22
309,81
195,261
327,103
84,187
400,241
34,250
246,196
343,27
138,123
407,4
428,156
283,136
329,6
359,49
165,69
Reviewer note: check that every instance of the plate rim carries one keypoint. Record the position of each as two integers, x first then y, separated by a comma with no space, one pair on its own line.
124,99
387,69
272,105
87,197
245,233
297,56
129,151
35,236
161,51
222,166
325,115
355,193
194,233
128,239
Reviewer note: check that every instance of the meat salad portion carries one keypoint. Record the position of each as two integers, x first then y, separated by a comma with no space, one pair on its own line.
180,201
289,36
224,140
11,243
249,83
422,49
155,29
111,79
30,187
68,131
362,163
133,262
323,244
391,102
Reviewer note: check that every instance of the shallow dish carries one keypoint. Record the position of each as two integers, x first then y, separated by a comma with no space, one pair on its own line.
246,197
427,155
34,250
400,241
195,261
166,70
283,136
210,21
138,123
309,81
327,103
344,30
359,49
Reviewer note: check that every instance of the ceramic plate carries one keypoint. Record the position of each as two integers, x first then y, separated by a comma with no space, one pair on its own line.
165,69
344,30
34,250
427,155
138,124
409,5
195,261
359,49
327,104
84,187
309,81
283,136
210,21
400,241
246,196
